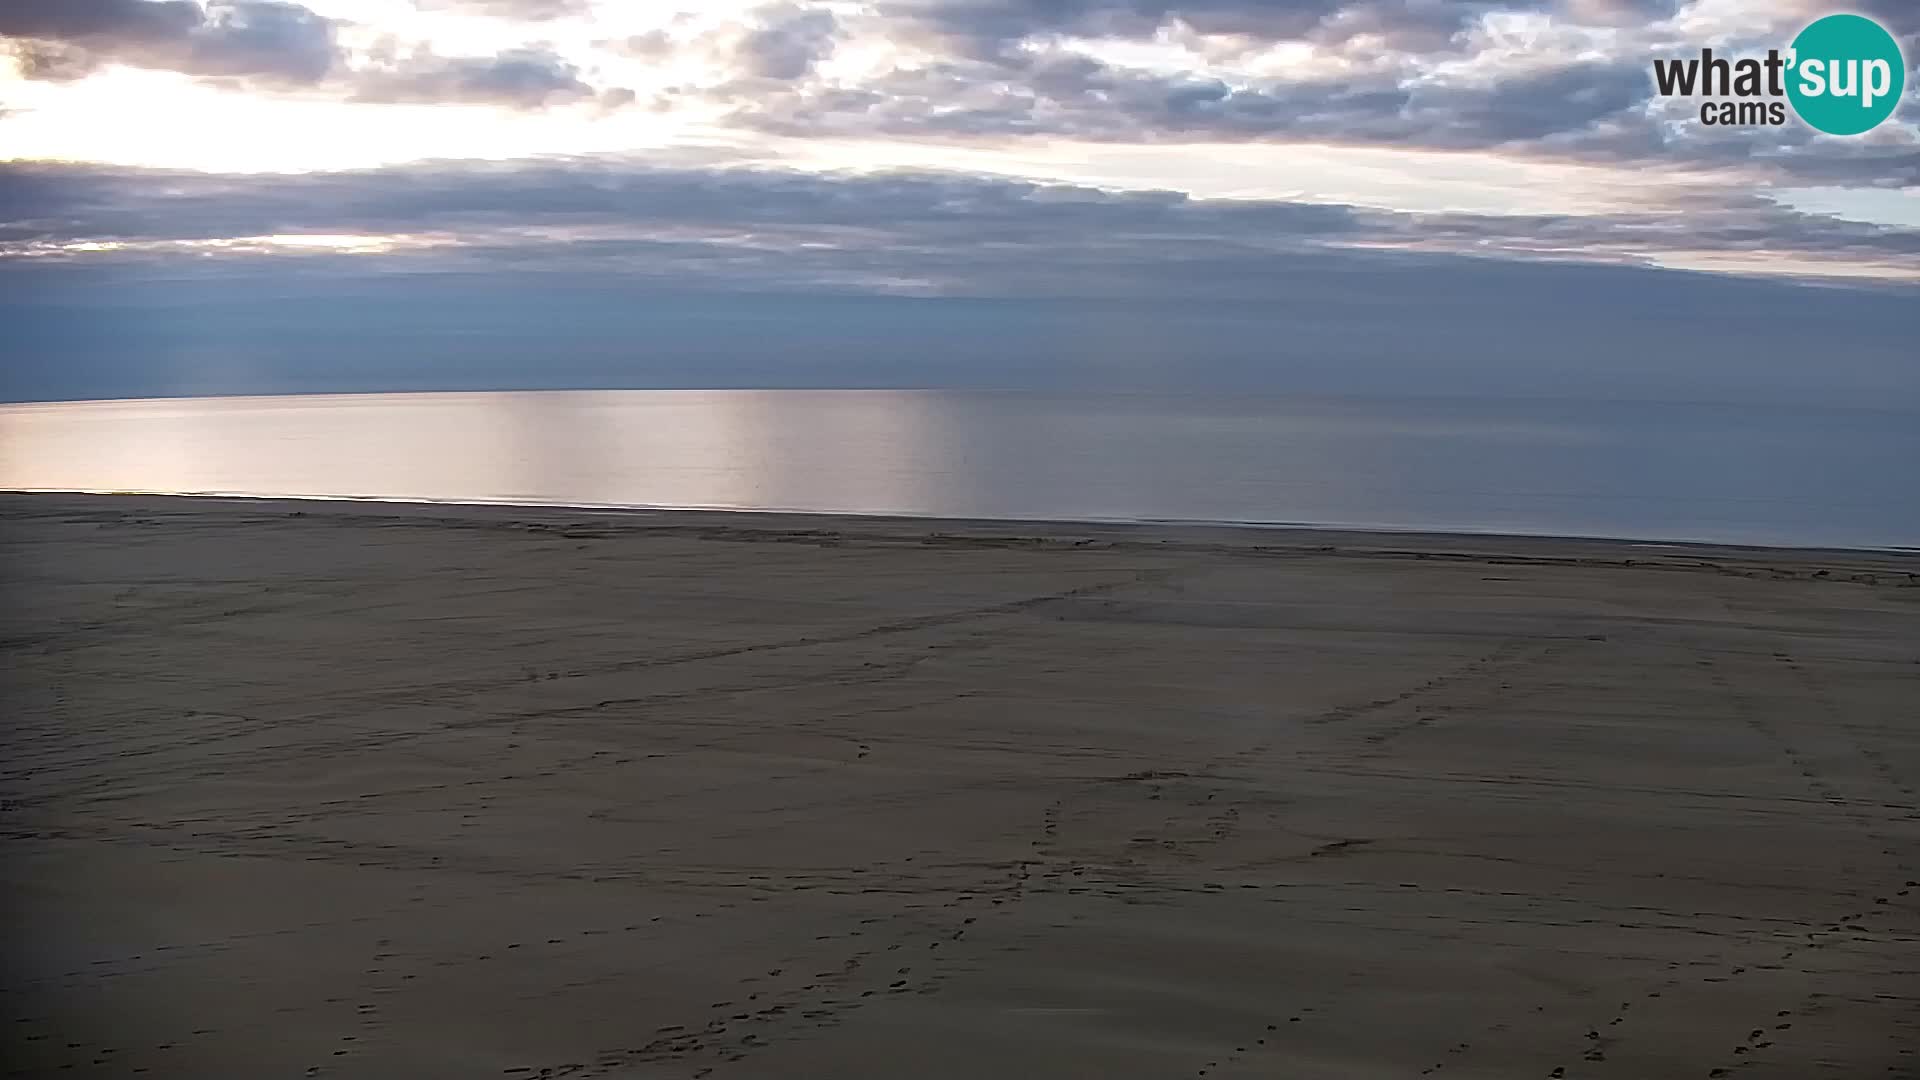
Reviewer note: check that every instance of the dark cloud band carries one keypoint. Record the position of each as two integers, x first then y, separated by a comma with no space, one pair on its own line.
961,232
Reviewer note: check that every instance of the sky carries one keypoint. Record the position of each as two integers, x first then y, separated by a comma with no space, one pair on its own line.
1477,197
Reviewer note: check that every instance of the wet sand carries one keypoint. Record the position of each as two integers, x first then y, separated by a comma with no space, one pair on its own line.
356,791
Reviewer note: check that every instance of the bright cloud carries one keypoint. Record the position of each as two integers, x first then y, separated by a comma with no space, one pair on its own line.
1534,118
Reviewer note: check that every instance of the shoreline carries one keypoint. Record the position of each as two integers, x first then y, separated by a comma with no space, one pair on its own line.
1863,405
853,526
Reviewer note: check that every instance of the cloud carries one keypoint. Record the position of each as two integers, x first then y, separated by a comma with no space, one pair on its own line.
54,61
786,42
1534,79
1331,322
256,40
1730,228
1616,12
529,78
1081,97
1550,79
949,232
1900,17
990,29
1524,108
50,202
994,29
106,21
652,45
277,45
529,10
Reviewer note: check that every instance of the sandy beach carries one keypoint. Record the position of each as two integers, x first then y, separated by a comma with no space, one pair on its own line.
349,790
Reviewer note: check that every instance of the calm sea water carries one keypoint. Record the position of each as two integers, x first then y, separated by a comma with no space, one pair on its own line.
1678,472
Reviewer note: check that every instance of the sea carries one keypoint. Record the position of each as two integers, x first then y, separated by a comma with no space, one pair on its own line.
1780,475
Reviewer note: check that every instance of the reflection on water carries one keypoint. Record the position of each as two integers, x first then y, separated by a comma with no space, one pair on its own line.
1663,472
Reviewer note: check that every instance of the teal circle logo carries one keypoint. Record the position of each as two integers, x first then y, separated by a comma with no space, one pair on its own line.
1846,74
